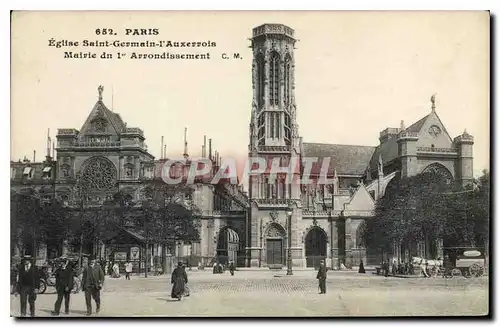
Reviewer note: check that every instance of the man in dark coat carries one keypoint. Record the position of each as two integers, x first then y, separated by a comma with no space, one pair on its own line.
179,280
64,286
321,276
232,268
92,280
27,283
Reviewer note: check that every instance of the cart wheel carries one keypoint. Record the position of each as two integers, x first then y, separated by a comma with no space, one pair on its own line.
476,270
455,272
42,287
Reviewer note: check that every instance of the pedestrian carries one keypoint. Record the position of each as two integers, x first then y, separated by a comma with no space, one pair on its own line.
64,286
361,269
386,268
27,284
128,270
231,267
116,270
179,280
93,278
321,276
394,267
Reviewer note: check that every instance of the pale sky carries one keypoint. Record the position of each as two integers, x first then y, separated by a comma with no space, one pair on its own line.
356,74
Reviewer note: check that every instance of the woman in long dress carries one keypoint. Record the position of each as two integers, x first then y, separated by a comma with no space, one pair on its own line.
179,281
116,271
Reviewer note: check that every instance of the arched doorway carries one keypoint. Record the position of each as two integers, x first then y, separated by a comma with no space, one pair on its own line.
228,245
275,246
315,244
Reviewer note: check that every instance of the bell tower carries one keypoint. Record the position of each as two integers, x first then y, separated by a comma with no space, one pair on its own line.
274,137
273,107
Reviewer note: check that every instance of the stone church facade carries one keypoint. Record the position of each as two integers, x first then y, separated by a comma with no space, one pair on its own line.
326,220
105,157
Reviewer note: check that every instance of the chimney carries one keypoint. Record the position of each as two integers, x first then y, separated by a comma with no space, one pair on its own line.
210,149
164,151
34,155
53,150
48,145
204,152
161,149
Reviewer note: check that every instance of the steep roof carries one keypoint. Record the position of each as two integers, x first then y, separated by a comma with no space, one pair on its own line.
388,150
416,127
100,109
346,159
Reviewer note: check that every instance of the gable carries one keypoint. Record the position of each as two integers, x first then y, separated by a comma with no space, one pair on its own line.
434,133
361,200
101,121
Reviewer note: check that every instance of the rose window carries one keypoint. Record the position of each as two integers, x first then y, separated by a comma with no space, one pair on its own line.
99,175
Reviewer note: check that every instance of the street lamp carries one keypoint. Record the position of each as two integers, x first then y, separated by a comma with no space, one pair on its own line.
289,252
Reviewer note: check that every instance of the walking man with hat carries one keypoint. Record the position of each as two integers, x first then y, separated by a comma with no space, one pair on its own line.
64,286
93,278
321,276
27,285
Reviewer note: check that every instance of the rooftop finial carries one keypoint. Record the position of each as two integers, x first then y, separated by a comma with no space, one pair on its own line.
100,89
433,101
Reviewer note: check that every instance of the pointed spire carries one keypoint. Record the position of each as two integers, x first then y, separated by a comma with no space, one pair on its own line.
164,151
100,89
380,166
433,102
185,143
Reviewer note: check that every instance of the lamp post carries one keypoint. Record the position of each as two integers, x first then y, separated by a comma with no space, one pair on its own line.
289,250
332,230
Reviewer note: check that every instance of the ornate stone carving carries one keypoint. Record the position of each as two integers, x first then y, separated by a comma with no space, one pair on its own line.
274,215
65,170
100,89
315,221
273,231
210,223
434,131
99,175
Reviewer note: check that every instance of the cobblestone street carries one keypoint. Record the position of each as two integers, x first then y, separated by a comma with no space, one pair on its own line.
267,293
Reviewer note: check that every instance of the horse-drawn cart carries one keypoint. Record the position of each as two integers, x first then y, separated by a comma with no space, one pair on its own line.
469,261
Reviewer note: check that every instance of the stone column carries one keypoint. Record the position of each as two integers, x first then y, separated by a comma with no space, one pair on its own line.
334,244
348,243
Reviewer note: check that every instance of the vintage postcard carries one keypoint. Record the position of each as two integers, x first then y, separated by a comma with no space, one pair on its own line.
250,164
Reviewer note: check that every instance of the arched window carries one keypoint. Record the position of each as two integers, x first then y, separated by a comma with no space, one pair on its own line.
274,79
260,80
287,76
440,172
